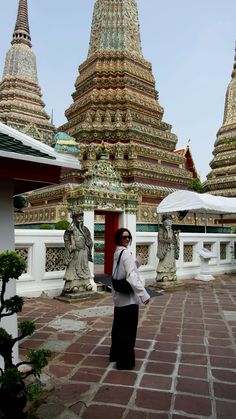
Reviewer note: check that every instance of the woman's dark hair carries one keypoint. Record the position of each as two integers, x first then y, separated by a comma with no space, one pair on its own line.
119,234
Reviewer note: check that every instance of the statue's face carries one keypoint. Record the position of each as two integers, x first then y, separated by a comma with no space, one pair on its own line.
167,222
78,218
168,226
79,221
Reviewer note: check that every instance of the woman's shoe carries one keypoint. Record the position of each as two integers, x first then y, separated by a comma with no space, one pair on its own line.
120,367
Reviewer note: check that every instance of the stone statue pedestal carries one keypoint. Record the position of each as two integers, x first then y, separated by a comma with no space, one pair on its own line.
165,285
205,257
77,297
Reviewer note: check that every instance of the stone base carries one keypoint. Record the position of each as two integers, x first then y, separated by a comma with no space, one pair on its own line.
204,277
76,297
168,285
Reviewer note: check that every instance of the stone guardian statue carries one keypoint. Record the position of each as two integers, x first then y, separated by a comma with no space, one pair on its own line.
78,253
167,251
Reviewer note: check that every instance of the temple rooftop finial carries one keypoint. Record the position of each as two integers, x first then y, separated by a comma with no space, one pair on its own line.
22,32
234,67
230,110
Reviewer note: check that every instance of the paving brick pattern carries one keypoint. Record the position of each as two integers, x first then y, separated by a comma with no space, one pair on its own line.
185,351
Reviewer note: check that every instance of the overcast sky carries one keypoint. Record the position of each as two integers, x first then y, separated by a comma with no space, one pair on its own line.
190,44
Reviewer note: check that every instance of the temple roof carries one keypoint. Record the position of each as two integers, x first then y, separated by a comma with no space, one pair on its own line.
13,145
66,144
185,151
26,147
115,27
29,163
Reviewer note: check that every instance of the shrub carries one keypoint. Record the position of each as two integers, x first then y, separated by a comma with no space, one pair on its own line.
13,390
46,227
62,225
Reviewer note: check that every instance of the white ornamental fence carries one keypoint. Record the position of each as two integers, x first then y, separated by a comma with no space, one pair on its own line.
43,252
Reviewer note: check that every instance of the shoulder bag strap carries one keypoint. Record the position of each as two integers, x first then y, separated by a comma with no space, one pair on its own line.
118,261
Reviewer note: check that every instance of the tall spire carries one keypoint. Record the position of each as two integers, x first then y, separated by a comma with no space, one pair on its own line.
20,59
230,100
222,178
21,104
115,27
233,75
22,33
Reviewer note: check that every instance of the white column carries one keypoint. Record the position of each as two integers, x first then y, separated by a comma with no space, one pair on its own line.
89,223
7,240
128,221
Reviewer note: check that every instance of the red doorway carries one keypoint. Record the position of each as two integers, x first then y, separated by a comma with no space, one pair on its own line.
111,225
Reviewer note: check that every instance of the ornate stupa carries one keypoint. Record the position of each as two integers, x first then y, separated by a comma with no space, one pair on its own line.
116,102
21,105
222,178
115,109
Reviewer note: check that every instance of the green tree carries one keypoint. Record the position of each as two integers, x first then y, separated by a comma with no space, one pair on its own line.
195,185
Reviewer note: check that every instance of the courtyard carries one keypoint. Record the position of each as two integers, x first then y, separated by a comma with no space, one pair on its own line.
185,356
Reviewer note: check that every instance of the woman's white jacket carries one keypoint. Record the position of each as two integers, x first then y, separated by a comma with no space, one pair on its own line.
128,268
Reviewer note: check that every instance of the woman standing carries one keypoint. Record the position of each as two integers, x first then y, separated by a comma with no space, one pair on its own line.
125,322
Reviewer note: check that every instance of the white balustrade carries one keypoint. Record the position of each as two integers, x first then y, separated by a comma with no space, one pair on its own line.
43,250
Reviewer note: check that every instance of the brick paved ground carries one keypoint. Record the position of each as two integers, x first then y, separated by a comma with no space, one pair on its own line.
185,351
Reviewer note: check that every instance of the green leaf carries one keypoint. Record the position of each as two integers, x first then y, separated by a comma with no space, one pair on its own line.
27,327
14,304
38,359
12,265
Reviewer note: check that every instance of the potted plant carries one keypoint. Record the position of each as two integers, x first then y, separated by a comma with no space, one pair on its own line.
13,389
